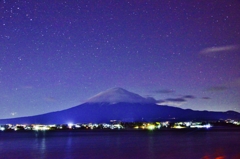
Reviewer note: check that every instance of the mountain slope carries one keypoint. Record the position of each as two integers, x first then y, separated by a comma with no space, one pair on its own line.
117,95
128,112
108,106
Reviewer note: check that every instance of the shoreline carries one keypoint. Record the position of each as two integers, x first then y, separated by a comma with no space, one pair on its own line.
212,129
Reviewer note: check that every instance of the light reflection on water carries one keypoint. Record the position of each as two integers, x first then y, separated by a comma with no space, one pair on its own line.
42,146
120,144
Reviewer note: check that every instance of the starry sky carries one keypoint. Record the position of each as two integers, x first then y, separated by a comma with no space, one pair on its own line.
56,54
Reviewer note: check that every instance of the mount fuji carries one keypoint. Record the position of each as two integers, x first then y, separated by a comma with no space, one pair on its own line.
119,95
120,104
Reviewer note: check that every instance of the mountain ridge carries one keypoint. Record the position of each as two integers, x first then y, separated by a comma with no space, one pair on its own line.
102,108
117,95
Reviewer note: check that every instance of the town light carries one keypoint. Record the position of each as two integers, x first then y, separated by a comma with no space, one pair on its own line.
70,125
151,127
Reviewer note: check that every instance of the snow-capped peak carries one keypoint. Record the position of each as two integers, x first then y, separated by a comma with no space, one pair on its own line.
117,95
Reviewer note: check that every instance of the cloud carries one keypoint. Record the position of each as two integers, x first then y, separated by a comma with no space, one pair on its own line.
235,83
217,88
160,101
211,51
50,99
229,85
176,100
206,98
13,113
189,97
172,101
164,91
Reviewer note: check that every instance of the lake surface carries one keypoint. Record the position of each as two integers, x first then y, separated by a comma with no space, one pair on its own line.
189,144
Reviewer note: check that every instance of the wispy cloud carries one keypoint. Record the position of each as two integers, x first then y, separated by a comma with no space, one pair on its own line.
50,99
176,101
235,83
164,91
172,101
217,88
219,49
189,97
207,98
13,113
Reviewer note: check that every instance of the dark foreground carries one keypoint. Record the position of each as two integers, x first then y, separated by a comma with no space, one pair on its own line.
186,144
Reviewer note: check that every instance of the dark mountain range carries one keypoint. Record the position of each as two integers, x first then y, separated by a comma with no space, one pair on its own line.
120,104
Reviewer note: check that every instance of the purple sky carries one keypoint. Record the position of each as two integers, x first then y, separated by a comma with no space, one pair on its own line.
56,54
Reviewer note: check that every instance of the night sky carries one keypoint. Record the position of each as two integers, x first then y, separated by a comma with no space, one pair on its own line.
56,54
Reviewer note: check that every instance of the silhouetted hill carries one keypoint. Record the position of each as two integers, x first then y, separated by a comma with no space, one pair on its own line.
128,112
120,104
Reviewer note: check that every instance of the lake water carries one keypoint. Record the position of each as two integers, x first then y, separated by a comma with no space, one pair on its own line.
189,144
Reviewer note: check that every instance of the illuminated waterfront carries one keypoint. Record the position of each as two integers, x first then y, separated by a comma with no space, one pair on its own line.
121,125
185,140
